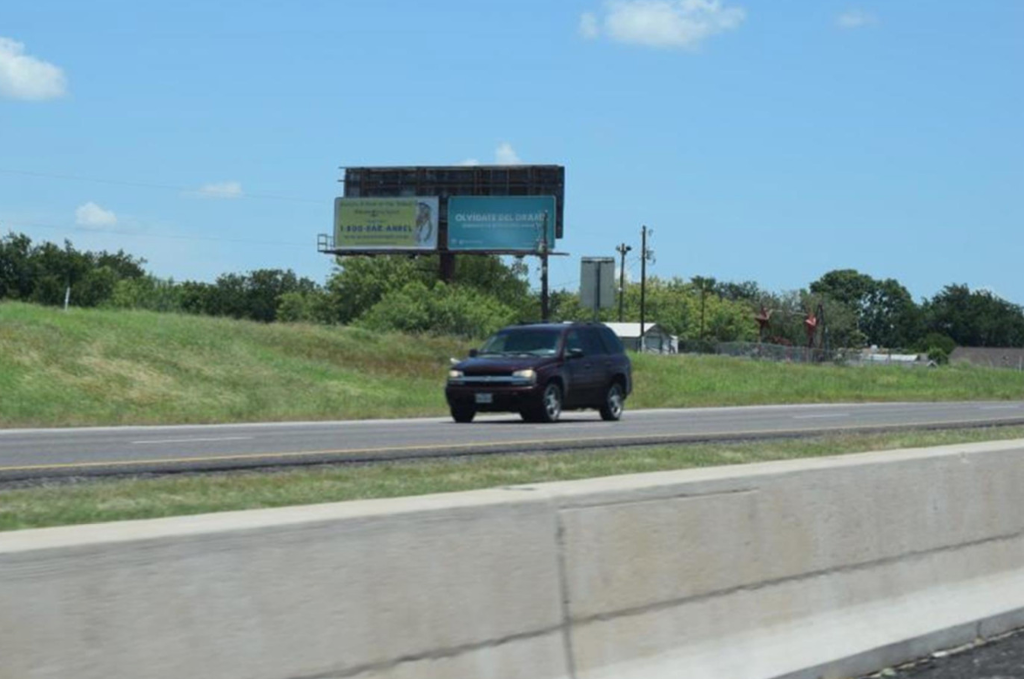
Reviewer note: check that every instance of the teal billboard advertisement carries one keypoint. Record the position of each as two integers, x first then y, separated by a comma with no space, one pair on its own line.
505,223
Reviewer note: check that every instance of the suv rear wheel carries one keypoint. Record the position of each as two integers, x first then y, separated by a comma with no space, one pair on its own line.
614,402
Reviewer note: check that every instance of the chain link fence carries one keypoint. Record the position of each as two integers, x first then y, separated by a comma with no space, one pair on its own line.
794,354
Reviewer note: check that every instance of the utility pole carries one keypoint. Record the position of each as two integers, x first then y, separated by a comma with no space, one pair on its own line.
622,249
702,291
645,254
544,302
701,283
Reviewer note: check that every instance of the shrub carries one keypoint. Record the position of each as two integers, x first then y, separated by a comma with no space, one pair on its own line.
936,340
939,355
440,310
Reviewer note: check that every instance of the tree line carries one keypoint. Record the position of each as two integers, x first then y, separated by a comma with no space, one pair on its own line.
403,293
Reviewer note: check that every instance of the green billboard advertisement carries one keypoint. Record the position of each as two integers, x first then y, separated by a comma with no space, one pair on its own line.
365,224
501,223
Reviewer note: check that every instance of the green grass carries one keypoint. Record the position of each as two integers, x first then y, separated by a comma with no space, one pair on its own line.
115,500
96,367
90,367
722,380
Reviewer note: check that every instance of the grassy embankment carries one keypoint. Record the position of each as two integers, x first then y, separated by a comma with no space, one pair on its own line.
89,367
115,500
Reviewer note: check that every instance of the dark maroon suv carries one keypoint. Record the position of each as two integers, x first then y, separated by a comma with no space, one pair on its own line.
541,369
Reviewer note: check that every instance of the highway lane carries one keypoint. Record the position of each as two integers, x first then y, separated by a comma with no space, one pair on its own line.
34,453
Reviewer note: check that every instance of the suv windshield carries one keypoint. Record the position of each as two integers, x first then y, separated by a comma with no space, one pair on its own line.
522,341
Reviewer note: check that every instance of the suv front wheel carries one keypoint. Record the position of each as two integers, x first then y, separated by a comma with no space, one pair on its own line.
463,414
550,407
614,402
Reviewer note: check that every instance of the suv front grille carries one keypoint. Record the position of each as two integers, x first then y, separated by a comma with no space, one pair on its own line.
496,380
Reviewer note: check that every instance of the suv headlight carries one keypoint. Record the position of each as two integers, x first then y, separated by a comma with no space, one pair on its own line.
529,374
455,374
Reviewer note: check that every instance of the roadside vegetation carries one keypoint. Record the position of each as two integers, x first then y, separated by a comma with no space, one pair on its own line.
851,309
108,367
119,367
686,381
141,498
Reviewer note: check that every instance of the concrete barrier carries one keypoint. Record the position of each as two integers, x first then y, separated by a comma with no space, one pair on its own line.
814,568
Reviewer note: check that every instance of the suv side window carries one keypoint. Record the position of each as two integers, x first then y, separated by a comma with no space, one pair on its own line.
611,340
573,341
592,345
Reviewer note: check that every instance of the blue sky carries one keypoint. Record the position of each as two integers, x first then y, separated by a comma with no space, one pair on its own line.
760,139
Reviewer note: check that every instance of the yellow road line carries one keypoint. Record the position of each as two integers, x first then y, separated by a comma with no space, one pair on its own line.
643,438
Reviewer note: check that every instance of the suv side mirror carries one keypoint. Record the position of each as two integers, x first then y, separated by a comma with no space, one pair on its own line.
473,353
575,352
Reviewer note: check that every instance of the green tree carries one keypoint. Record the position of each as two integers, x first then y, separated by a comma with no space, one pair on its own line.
95,287
936,340
441,309
42,273
361,282
744,291
147,292
884,310
975,318
17,270
311,306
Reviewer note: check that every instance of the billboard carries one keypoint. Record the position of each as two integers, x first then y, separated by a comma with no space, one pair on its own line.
451,180
366,224
502,223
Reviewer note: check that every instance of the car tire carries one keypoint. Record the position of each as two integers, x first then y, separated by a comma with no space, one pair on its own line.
550,407
614,403
463,414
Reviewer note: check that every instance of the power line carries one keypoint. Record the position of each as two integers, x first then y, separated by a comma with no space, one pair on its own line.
137,234
147,185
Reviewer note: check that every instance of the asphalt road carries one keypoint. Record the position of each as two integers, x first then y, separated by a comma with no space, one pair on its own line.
38,453
1000,659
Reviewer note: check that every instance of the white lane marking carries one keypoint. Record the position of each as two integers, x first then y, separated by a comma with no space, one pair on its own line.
1013,407
820,417
219,438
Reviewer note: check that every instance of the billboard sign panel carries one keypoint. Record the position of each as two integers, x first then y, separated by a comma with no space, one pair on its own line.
364,224
502,223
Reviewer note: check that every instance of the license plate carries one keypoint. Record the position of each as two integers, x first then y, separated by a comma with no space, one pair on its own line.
485,398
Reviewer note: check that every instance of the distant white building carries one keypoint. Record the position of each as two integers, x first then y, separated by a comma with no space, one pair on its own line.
894,359
655,339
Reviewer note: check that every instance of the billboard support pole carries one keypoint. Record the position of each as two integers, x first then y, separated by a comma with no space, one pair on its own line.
544,306
447,260
447,271
544,311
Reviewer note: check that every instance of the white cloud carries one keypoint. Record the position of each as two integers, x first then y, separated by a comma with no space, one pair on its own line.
506,155
663,23
856,18
93,216
226,190
25,77
588,26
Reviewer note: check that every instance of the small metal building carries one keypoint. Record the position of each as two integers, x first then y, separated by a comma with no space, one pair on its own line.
656,339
